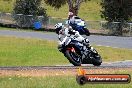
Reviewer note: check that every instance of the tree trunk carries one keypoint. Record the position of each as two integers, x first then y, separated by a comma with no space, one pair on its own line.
74,9
121,24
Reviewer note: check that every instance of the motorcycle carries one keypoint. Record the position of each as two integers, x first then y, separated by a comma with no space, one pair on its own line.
77,53
79,26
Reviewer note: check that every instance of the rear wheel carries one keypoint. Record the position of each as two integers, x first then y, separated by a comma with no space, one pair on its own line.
73,56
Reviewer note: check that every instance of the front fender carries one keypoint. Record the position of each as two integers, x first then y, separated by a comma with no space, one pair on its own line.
76,45
73,43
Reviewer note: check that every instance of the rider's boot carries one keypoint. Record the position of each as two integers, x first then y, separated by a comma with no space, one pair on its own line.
60,47
86,42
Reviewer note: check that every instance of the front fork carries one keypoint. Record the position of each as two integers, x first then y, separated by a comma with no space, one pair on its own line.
87,51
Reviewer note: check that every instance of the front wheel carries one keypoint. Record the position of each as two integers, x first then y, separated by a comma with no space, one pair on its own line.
73,57
96,58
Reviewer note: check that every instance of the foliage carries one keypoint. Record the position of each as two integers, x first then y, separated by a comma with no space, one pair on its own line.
28,7
87,10
56,3
74,5
117,11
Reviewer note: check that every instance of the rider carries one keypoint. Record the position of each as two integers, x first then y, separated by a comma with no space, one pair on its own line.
77,24
65,32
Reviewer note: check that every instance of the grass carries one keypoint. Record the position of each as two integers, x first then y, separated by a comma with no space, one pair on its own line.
89,10
19,52
6,5
35,52
4,28
114,54
55,82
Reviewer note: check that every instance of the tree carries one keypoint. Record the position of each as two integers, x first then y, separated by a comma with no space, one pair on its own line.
74,5
117,11
28,8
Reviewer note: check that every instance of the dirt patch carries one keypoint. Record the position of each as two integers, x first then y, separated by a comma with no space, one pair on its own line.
57,72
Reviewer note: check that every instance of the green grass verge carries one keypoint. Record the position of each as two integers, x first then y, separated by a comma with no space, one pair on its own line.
18,52
27,52
54,82
5,28
114,54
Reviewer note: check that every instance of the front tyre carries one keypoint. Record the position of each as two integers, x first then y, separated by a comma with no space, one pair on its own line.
73,57
97,60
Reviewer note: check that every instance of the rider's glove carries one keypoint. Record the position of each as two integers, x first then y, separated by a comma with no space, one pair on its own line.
71,32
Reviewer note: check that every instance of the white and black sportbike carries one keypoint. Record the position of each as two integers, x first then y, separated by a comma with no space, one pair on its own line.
78,53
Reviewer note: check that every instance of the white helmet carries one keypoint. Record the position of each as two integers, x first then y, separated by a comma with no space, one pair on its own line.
58,27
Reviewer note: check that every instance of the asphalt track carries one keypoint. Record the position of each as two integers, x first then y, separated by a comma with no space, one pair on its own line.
109,41
59,67
19,68
112,65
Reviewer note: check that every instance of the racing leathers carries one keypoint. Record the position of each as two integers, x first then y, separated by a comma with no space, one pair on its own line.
65,33
79,25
